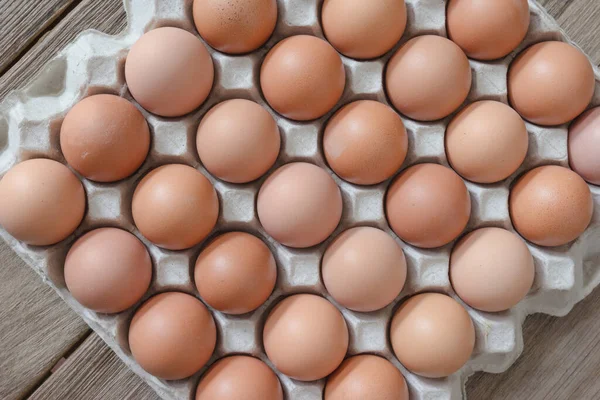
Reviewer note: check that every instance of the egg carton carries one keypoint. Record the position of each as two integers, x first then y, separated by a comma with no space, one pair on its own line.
30,121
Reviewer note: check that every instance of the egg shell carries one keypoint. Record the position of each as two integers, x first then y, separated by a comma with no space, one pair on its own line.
305,337
105,138
487,29
235,273
551,205
172,335
363,29
550,83
235,26
302,77
365,142
584,143
491,269
169,72
41,202
364,269
239,377
432,335
108,270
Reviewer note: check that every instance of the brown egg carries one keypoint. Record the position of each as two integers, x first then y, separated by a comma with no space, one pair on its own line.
302,77
584,142
105,138
175,206
305,337
169,72
432,335
172,335
239,377
299,205
108,270
487,29
428,78
361,29
428,205
41,202
486,142
551,205
235,26
365,142
491,269
235,273
238,141
366,377
364,269
550,83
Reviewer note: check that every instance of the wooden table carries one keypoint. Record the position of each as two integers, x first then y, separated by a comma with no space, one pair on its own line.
47,352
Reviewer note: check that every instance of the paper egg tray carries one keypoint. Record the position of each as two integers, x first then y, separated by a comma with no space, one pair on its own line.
30,122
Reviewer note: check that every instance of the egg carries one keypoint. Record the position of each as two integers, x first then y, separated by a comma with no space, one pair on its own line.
365,142
428,205
366,376
175,206
41,202
363,30
550,83
551,205
302,77
108,270
432,335
235,273
491,269
305,337
238,141
486,142
169,72
428,78
364,269
105,138
235,26
584,142
299,205
487,29
239,377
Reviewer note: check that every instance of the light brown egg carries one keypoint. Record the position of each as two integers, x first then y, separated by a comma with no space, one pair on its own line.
366,377
428,78
365,142
487,29
305,337
239,377
238,141
108,270
235,273
428,205
486,142
105,138
584,142
299,205
364,269
550,83
172,335
302,77
491,269
432,335
551,205
175,206
235,26
169,72
41,202
361,29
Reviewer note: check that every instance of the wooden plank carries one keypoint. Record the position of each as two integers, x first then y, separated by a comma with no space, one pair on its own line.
23,22
92,372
